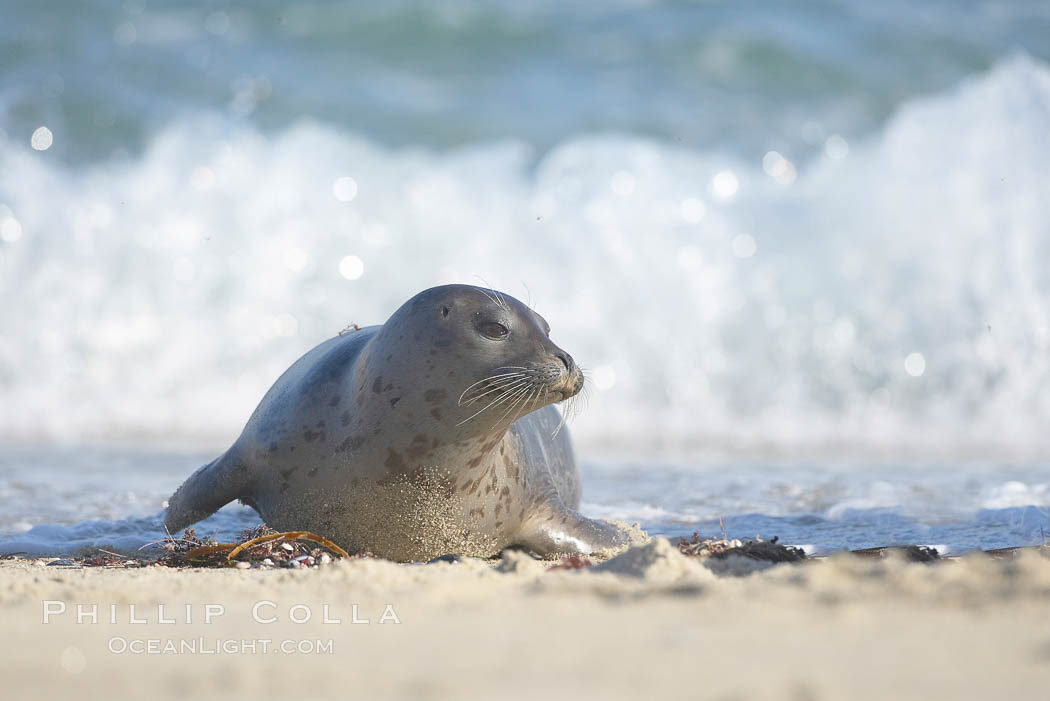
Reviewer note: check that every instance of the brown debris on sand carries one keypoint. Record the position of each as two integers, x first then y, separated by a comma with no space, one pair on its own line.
911,553
572,562
757,549
176,549
1002,553
696,546
256,547
108,559
765,551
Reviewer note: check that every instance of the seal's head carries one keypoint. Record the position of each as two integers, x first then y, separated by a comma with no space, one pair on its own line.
489,357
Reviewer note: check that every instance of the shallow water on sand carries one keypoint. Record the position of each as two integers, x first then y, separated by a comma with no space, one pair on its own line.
60,500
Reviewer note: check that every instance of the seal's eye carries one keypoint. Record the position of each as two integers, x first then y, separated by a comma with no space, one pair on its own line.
494,330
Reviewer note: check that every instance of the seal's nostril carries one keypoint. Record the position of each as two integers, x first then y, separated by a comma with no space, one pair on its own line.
566,360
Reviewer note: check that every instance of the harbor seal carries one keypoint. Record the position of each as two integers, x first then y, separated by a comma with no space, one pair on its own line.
431,434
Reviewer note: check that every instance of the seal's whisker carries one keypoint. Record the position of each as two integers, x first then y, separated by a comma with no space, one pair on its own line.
504,377
578,402
526,404
512,395
498,300
560,426
522,394
546,392
503,384
488,406
569,411
491,298
517,397
570,407
493,377
528,295
530,404
507,385
530,401
533,400
482,409
499,400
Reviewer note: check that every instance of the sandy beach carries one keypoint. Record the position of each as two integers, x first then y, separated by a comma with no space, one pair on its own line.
435,279
648,623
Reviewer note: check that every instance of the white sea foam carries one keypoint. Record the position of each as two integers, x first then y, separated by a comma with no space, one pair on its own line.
1015,494
157,297
141,536
637,512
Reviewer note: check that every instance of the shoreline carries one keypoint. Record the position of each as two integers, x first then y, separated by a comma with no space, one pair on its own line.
649,621
612,450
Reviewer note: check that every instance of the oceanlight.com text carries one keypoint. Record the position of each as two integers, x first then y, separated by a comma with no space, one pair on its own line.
218,646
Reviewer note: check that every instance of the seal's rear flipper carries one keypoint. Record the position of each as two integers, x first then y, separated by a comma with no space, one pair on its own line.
562,530
206,491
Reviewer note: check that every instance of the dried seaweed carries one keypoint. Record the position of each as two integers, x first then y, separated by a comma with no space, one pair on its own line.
764,551
257,547
696,546
757,549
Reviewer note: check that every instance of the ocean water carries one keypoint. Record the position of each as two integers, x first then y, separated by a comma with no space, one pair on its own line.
801,248
76,500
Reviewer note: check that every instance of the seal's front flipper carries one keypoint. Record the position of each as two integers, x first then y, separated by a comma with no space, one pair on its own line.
206,491
562,530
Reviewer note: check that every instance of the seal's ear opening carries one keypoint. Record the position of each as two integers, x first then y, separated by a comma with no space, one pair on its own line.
444,311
